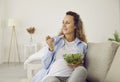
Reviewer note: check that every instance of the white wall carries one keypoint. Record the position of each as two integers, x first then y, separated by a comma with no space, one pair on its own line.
0,35
2,15
100,18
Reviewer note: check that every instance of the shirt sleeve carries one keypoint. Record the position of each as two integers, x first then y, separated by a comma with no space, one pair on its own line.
85,49
85,53
47,58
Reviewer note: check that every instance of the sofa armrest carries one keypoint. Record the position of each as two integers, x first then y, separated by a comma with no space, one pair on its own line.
32,69
35,58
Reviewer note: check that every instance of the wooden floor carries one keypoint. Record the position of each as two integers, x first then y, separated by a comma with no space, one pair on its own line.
13,72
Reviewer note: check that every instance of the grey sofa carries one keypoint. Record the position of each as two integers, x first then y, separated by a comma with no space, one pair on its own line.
102,62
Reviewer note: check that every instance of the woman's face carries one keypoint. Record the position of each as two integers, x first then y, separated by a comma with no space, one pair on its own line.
68,25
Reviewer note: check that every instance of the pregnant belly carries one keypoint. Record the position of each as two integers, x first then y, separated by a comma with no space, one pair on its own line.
60,68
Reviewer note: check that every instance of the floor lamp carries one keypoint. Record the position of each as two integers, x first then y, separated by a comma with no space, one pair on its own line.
13,41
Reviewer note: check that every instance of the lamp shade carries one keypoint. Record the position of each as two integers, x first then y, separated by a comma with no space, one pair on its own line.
12,22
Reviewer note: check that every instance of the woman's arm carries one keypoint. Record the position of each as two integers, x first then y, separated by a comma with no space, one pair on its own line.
47,58
85,53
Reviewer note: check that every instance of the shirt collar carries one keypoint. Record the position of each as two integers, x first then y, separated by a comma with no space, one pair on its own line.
77,41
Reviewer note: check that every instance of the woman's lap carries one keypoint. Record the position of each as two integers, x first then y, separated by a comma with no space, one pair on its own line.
78,75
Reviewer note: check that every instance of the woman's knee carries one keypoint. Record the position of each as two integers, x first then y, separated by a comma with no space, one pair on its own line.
80,72
80,69
78,75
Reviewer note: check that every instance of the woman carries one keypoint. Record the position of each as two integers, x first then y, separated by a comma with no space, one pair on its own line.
71,39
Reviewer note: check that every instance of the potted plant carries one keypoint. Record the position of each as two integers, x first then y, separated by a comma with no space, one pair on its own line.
31,31
115,38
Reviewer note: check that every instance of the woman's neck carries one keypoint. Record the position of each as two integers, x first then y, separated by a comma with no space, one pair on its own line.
69,38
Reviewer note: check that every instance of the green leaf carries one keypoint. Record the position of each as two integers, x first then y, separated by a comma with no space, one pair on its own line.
73,58
116,37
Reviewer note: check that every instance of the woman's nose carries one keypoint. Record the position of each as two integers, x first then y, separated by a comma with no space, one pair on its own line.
64,25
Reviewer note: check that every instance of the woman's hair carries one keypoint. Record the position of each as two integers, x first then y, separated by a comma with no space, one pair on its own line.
79,31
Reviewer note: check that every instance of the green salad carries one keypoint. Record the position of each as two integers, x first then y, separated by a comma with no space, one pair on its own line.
73,58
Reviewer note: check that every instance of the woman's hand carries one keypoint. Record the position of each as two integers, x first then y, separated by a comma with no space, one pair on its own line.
76,65
50,42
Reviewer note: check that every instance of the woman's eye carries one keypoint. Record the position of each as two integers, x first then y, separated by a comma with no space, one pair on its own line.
67,23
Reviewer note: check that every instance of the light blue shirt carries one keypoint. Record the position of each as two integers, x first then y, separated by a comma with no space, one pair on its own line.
49,57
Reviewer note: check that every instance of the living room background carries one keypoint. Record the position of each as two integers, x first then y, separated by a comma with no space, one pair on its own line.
100,17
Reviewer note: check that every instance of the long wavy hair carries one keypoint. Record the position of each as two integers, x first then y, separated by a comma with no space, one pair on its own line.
79,31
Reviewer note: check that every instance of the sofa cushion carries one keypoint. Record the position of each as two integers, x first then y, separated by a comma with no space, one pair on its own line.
114,72
99,57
